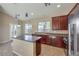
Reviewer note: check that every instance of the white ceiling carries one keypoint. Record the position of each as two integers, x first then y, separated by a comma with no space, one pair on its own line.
38,9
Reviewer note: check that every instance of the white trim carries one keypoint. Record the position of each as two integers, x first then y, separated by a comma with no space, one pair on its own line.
5,42
17,53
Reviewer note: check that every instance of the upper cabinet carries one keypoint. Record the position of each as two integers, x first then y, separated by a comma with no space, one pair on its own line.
60,23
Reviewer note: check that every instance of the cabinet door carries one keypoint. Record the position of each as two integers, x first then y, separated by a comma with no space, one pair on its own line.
60,23
59,42
45,39
55,23
63,23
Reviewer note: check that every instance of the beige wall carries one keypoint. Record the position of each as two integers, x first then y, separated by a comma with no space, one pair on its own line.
34,23
5,22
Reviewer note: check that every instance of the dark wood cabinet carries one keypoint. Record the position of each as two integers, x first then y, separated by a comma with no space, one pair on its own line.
45,39
64,22
59,42
55,23
56,42
60,23
38,47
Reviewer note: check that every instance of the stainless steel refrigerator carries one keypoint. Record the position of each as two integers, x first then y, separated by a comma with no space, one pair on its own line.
73,26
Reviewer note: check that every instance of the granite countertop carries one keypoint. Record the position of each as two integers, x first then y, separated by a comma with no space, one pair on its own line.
57,32
29,38
63,33
37,35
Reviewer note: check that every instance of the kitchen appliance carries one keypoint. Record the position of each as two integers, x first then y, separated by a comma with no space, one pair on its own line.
73,26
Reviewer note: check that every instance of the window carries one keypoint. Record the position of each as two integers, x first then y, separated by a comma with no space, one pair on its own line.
47,25
15,30
43,26
28,28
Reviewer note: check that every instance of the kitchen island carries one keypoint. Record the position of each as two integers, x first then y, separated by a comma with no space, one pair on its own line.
25,45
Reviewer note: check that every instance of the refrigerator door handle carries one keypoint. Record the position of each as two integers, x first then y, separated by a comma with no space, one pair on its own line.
72,42
69,41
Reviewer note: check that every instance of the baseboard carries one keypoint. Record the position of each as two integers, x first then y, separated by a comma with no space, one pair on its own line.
17,53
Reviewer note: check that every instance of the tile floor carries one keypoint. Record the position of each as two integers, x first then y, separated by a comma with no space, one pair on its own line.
51,51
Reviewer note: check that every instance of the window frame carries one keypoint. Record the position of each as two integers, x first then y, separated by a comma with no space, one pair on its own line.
29,27
45,28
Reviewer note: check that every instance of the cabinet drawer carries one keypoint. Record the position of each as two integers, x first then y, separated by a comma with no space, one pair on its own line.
59,42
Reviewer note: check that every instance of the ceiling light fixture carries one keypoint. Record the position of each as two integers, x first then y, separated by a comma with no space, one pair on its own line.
26,14
47,4
58,6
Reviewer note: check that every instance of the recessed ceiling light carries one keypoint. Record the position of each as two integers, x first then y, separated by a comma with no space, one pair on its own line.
58,6
32,13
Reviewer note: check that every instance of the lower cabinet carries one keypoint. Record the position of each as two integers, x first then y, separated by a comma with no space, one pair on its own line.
56,42
59,42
